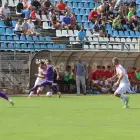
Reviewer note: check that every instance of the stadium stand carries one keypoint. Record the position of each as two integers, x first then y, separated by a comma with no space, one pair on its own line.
126,29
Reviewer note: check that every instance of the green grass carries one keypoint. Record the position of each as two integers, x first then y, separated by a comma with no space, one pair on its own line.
70,118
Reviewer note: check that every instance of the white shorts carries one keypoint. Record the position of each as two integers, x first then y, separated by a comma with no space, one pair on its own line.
39,81
123,88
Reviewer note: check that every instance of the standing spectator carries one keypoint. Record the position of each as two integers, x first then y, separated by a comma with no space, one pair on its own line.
93,15
4,11
130,13
19,6
18,27
80,75
27,12
81,34
36,4
117,23
25,27
73,22
133,23
34,17
66,21
62,7
47,5
102,29
55,22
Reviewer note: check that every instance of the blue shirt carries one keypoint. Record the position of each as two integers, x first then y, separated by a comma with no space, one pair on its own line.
81,34
26,13
80,69
66,20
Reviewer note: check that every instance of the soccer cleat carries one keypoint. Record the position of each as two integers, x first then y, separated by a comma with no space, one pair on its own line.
126,106
12,103
59,94
38,94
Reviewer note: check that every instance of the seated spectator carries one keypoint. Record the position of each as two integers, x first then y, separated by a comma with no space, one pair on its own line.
62,7
31,29
4,11
102,8
36,3
133,3
19,6
133,23
130,13
25,27
102,16
8,21
111,15
102,29
55,22
93,15
73,22
27,12
137,73
119,3
117,23
34,17
96,28
81,34
66,21
18,27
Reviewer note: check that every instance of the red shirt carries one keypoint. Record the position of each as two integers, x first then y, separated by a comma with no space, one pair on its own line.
96,74
93,15
32,15
61,6
109,74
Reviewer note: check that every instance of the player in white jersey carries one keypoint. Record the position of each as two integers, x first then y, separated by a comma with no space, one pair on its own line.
122,84
40,78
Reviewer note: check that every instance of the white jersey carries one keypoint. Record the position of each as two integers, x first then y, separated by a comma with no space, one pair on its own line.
120,70
40,72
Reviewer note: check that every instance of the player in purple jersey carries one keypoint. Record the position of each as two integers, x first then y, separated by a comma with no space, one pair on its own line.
4,96
49,79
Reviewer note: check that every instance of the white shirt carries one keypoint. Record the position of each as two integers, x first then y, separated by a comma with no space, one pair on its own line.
31,25
18,27
120,70
40,72
5,11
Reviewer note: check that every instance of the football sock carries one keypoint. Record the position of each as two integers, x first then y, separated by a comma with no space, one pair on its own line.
124,98
31,93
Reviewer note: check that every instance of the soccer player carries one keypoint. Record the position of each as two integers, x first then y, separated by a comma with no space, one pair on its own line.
48,81
40,78
4,96
122,83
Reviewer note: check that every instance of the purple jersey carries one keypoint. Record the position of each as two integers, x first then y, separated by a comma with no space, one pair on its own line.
49,73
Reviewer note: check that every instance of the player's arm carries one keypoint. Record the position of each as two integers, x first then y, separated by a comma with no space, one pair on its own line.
120,77
112,78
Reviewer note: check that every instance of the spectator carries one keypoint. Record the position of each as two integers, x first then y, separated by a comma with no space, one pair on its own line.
133,24
102,29
55,22
47,5
68,78
119,3
27,12
93,15
96,28
66,21
4,11
31,29
36,3
62,7
133,3
130,13
8,21
19,6
111,15
80,75
18,27
25,27
102,8
117,23
81,34
137,73
73,23
34,17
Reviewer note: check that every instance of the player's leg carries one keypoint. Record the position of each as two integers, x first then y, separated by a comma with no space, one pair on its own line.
120,94
78,84
4,96
83,82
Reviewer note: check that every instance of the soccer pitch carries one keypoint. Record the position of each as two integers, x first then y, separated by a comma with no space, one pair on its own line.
70,118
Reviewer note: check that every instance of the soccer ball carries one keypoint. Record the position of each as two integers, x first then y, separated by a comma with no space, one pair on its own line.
49,94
